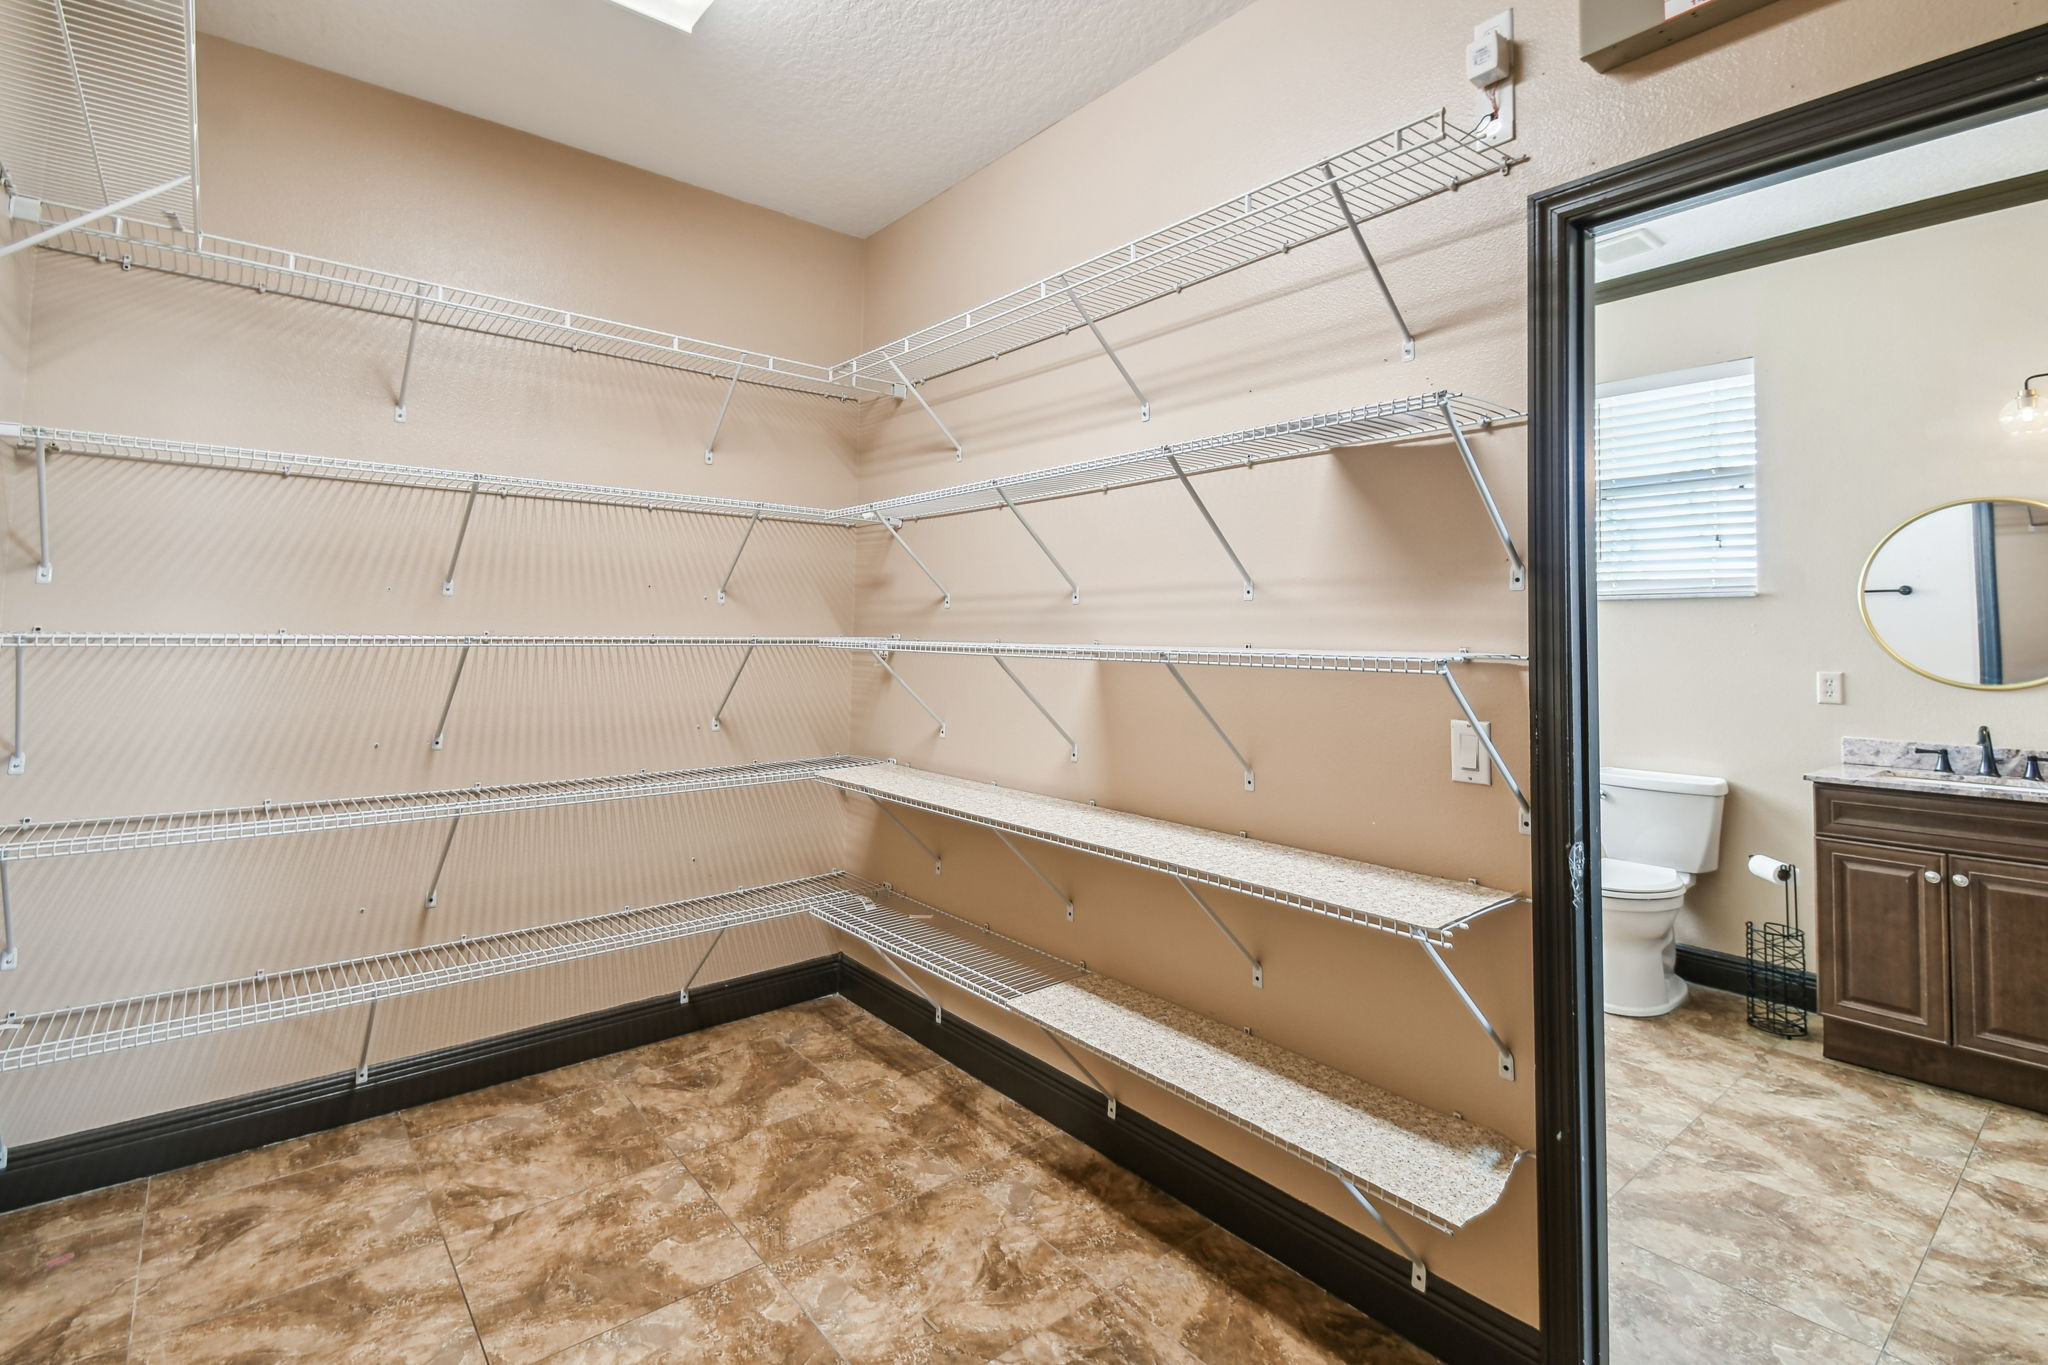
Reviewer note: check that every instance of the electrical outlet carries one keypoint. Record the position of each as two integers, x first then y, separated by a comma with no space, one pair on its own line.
1827,687
1469,759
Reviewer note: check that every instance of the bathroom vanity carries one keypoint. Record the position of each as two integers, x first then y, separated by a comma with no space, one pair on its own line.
1932,927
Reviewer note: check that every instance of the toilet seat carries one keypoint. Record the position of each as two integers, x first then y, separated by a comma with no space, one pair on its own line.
1625,881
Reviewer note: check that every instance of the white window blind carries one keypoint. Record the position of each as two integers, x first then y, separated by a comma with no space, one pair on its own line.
1674,460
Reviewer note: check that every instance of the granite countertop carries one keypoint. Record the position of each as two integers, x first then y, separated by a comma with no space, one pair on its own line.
1880,763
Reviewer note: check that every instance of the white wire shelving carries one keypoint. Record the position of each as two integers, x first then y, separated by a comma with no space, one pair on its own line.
98,105
970,957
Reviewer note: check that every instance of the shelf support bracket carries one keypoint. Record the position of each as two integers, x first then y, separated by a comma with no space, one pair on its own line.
1217,531
461,534
1479,729
1258,972
42,509
9,958
434,890
937,719
1518,576
1144,404
1080,1066
1418,1273
1062,897
938,867
745,536
1507,1056
911,389
441,730
889,525
1235,752
1044,549
369,1031
412,336
938,1012
1073,749
1358,236
17,761
683,996
719,714
711,441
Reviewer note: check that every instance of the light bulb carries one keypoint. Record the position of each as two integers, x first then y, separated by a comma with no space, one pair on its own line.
2026,414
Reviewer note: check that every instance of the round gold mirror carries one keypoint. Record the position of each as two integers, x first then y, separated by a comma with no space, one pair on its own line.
1959,594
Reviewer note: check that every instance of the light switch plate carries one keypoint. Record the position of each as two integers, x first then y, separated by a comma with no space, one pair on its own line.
1469,760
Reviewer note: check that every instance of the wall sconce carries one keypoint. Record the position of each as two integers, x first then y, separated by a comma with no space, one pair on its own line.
2026,414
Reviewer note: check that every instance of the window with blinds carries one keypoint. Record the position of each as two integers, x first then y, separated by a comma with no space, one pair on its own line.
1674,461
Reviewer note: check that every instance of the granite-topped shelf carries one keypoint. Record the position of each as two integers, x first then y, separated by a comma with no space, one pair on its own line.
1406,903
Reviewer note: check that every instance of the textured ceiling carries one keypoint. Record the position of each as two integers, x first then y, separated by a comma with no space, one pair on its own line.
847,113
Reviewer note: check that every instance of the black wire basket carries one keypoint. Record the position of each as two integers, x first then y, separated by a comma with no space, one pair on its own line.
1777,967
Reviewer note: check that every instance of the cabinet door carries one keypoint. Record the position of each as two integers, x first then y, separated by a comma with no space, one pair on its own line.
1884,938
1998,913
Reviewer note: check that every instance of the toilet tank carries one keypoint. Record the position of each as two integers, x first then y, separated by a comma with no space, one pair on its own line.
1664,819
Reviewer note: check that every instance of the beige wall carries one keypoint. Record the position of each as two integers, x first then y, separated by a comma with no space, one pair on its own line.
1879,371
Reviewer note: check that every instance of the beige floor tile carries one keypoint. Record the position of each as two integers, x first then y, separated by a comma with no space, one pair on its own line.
67,1283
726,1093
804,1177
527,1090
1626,1156
1663,1314
1981,1298
61,1220
749,1319
861,1050
956,1117
482,1171
942,1277
1103,1329
2013,1145
384,1139
406,1307
213,1255
1649,1107
560,1273
1915,1117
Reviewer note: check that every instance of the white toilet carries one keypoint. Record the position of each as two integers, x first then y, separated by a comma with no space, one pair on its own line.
1656,831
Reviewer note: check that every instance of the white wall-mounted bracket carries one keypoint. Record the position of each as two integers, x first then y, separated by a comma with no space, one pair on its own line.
1044,549
1062,897
719,715
1144,404
937,719
938,864
369,1031
911,389
1518,575
1418,1273
890,524
1243,573
17,759
683,995
1073,749
1221,734
1081,1067
461,535
1358,236
9,958
43,571
441,864
412,337
454,684
745,536
711,441
938,1013
1505,1053
1258,971
1485,733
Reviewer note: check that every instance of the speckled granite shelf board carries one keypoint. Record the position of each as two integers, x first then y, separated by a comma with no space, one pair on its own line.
1440,1169
1363,893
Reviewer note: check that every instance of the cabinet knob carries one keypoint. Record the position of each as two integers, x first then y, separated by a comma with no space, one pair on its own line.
1931,875
1960,879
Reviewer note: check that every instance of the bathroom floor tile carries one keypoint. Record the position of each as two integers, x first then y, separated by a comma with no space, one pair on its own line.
724,1094
749,1319
1981,1296
559,1273
1919,1117
1664,1314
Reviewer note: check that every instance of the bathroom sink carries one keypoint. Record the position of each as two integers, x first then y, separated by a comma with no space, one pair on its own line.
1936,779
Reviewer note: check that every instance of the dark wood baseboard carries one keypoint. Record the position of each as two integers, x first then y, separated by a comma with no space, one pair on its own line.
1973,1073
1729,972
1446,1321
40,1171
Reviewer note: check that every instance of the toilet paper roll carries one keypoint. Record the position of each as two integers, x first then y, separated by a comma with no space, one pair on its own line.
1770,869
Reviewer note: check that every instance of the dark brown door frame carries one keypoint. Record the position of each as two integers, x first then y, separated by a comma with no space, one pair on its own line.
1571,1165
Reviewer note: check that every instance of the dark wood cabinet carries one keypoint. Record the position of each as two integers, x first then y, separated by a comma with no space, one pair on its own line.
1932,938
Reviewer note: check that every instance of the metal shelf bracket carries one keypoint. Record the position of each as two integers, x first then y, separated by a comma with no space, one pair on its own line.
1358,236
441,864
937,719
745,536
711,441
9,958
412,337
938,865
441,730
1507,1056
1518,577
461,534
1418,1273
1082,1067
1258,971
890,524
1443,670
17,760
719,714
1073,749
43,570
683,995
1173,461
1144,404
1062,897
911,389
1045,549
938,1012
1235,752
369,1031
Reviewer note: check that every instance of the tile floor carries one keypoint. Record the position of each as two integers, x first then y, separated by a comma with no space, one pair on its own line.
806,1186
1768,1205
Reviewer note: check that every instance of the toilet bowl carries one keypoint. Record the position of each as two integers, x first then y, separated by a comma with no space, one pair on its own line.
1639,906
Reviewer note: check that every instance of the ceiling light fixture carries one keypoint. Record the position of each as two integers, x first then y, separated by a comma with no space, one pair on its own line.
2026,414
682,14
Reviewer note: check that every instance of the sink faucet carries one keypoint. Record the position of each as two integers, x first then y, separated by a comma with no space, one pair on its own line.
1987,766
